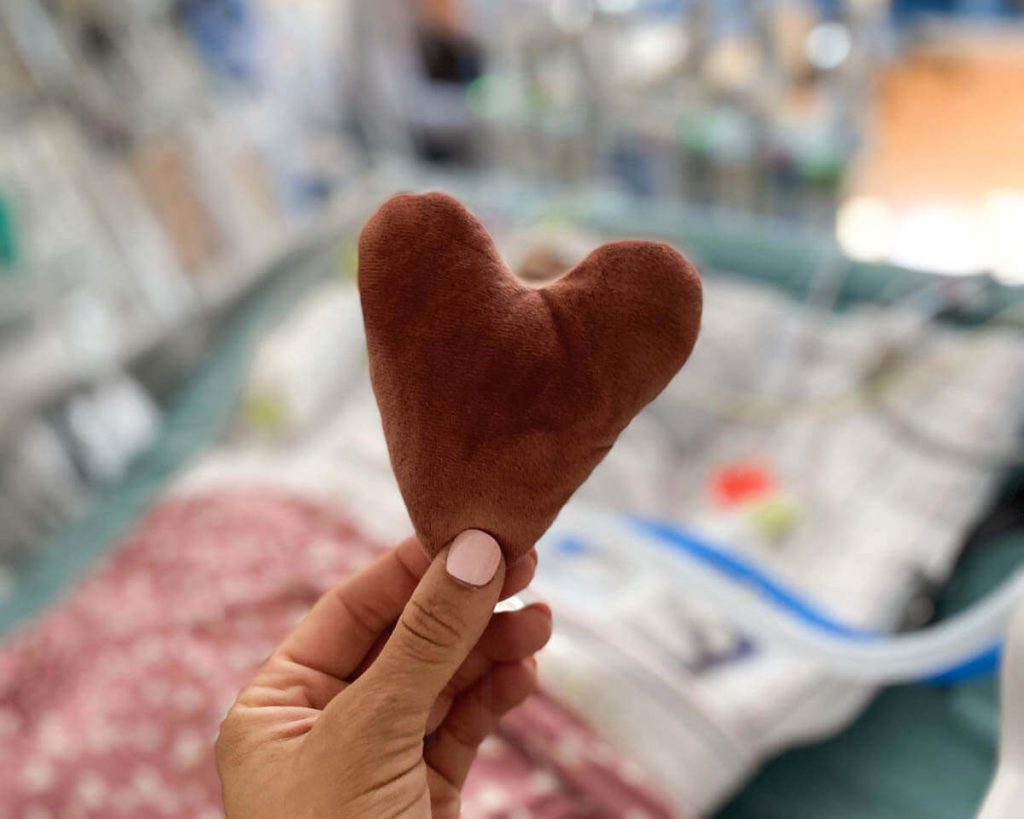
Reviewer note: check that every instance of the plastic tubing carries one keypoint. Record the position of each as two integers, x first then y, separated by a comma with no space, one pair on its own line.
765,608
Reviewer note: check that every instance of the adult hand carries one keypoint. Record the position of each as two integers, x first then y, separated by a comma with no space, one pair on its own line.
375,705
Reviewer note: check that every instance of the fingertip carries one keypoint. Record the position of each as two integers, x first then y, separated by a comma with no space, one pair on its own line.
413,556
548,628
520,574
543,608
525,562
543,632
474,558
531,561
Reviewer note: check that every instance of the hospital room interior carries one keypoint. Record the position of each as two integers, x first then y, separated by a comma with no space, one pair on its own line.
792,589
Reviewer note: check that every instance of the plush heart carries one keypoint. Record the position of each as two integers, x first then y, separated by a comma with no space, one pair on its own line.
498,399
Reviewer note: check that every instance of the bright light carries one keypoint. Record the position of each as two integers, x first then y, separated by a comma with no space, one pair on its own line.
828,45
1002,228
939,238
866,229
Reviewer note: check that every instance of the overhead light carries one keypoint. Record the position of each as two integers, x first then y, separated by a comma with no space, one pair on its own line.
1002,228
828,46
865,228
939,238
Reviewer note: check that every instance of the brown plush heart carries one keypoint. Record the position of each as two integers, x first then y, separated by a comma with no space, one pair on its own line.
498,400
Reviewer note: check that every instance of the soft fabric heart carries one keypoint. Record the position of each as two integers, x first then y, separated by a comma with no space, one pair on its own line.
498,400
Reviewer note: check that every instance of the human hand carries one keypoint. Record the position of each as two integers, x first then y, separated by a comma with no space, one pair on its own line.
376,703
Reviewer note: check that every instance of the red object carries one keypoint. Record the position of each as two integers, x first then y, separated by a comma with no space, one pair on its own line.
739,483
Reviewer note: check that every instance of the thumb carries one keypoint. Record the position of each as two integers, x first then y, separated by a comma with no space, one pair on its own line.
441,623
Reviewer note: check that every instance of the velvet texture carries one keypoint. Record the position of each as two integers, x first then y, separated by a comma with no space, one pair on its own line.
498,400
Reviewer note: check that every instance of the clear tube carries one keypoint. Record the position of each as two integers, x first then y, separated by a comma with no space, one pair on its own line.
745,594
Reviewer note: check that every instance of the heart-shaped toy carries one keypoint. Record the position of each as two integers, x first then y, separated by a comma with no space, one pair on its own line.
498,400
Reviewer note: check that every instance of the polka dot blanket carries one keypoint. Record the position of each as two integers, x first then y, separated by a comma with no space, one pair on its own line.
110,702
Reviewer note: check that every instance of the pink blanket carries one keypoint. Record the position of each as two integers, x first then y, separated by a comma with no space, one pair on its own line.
109,704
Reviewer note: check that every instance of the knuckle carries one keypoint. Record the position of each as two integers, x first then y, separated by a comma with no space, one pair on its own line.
446,805
467,733
434,624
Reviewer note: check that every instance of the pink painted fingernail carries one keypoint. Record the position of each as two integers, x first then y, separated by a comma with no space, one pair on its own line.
473,558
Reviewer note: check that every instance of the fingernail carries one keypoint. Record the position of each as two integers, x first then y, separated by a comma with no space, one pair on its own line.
473,558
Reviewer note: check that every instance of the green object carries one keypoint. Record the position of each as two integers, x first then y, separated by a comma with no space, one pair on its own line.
774,517
265,411
697,131
824,173
8,244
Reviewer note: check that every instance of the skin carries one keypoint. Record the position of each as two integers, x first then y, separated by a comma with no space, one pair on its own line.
377,702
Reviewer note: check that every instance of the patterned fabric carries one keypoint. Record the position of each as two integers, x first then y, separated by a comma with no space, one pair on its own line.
110,703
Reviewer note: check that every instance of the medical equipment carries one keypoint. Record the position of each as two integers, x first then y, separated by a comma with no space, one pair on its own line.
764,608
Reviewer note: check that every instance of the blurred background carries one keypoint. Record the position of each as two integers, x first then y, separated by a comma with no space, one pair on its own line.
190,451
